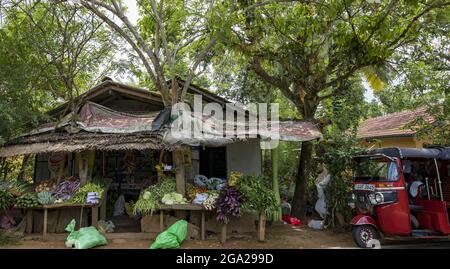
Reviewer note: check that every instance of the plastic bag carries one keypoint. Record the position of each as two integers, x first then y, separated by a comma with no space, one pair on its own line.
200,198
84,238
179,229
316,224
119,206
106,227
291,220
172,237
321,206
165,240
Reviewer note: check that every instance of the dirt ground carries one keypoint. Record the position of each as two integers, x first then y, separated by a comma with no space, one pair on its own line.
278,235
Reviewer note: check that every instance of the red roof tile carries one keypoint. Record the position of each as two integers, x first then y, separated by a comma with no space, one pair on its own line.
392,125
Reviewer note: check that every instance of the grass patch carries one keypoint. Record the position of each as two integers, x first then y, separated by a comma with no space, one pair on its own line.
7,238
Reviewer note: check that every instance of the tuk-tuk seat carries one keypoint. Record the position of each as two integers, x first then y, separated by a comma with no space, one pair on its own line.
416,208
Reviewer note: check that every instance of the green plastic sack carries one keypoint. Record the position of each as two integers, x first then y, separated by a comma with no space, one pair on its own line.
179,229
165,240
172,237
84,238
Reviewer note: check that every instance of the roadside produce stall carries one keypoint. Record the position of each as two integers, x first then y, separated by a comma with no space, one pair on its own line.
150,169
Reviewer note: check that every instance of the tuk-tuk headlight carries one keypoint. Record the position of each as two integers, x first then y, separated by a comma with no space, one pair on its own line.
379,198
376,198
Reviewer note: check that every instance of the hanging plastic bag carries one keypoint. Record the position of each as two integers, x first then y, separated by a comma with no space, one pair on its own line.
321,206
119,206
84,238
172,237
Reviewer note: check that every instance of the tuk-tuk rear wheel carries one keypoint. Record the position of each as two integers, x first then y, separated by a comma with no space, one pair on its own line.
363,234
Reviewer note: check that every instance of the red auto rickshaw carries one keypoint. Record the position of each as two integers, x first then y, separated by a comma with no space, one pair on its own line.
401,192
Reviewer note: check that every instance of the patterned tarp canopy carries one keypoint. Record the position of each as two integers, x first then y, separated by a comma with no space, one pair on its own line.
124,131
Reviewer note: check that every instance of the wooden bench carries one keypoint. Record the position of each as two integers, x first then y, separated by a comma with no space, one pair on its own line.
29,215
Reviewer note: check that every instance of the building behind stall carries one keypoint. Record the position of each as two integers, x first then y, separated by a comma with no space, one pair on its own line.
393,130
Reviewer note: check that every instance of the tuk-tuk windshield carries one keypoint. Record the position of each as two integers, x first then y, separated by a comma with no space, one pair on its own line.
376,169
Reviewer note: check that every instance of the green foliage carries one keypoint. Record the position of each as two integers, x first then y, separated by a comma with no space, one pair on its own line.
6,199
7,238
258,194
337,155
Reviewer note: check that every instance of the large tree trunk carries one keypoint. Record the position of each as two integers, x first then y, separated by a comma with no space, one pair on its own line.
304,167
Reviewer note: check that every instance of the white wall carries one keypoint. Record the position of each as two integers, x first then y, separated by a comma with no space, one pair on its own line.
244,157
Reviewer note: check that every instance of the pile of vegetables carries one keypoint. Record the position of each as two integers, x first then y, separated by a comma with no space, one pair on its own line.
81,194
173,198
210,202
66,189
259,196
46,185
191,191
234,178
151,196
29,199
16,188
229,203
45,198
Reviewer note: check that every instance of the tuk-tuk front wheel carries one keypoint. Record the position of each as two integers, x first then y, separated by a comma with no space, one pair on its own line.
363,234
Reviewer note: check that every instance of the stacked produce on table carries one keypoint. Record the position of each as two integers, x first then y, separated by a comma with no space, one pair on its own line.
45,198
29,199
46,185
81,195
9,191
192,191
229,203
152,196
210,202
173,198
66,189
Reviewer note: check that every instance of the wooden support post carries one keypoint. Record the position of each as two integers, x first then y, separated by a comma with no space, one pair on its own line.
276,189
223,234
103,205
161,220
179,172
202,225
95,216
29,228
44,232
262,227
81,217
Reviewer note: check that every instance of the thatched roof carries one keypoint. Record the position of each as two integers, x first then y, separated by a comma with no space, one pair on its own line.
96,127
66,142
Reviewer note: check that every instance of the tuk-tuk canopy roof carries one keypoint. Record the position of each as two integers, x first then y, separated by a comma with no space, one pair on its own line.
403,153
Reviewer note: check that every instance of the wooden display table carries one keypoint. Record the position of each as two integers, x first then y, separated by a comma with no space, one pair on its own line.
193,207
183,207
29,212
